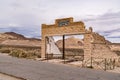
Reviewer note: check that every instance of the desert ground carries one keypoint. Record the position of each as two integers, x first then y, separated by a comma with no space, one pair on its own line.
45,70
31,67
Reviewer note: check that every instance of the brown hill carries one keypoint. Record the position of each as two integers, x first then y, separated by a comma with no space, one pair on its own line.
71,42
13,35
12,38
115,46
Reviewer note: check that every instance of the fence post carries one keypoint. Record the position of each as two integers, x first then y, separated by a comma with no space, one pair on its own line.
47,57
105,64
114,64
91,62
82,64
111,64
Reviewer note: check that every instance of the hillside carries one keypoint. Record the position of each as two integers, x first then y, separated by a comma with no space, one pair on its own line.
115,46
12,38
14,35
71,42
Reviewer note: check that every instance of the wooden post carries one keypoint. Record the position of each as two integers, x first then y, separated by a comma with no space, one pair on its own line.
105,64
114,64
110,63
91,62
63,47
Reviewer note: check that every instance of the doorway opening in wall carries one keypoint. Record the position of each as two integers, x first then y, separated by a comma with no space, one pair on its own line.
67,47
52,49
74,47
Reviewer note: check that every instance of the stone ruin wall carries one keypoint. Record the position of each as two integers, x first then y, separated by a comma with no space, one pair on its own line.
55,30
100,48
94,43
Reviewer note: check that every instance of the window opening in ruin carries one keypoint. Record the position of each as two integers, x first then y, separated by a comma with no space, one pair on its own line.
53,47
65,47
74,47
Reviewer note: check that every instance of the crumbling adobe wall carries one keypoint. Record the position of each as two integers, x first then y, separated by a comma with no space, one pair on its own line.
94,44
99,47
102,51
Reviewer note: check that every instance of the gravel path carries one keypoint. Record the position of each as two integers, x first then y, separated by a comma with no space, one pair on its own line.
37,70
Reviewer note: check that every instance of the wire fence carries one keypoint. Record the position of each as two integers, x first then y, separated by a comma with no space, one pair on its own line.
91,62
100,63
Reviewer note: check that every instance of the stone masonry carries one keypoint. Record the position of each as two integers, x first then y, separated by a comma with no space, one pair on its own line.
94,44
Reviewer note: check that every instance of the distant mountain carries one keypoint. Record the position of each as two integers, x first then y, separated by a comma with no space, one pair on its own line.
115,46
71,42
13,35
12,38
108,42
27,31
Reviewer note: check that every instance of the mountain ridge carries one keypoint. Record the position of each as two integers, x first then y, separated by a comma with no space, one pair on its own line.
12,39
15,36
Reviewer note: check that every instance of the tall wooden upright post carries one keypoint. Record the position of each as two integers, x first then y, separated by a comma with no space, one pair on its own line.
63,47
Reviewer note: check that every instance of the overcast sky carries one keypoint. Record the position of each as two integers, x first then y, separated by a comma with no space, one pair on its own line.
26,16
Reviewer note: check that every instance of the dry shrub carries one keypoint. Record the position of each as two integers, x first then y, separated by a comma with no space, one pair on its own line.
31,54
23,54
4,50
118,63
18,53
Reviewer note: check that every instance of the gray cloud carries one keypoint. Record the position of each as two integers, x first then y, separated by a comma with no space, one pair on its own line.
107,25
26,16
24,30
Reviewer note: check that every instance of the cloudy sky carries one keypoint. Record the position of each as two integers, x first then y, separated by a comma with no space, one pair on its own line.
26,16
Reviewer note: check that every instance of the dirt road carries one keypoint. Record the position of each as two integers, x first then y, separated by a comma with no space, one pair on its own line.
37,70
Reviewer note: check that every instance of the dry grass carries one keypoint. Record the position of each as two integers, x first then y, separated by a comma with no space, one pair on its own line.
21,53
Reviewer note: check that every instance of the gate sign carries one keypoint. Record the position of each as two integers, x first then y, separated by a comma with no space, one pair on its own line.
63,23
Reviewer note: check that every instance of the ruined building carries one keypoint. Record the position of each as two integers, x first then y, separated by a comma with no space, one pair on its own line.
94,44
